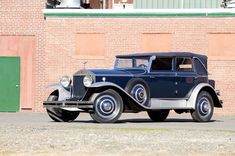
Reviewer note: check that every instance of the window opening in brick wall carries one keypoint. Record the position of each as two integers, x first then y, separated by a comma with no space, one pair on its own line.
221,46
90,45
156,42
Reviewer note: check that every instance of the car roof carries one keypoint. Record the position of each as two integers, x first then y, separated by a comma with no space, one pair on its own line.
202,58
164,54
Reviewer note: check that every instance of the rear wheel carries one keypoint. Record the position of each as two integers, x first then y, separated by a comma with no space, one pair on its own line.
58,114
204,107
108,107
158,115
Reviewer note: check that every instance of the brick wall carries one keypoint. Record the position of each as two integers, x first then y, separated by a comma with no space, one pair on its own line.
126,35
56,53
25,18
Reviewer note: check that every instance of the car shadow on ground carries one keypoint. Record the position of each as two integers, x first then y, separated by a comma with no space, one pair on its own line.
173,120
140,120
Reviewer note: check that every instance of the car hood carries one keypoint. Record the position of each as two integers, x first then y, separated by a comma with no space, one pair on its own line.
112,72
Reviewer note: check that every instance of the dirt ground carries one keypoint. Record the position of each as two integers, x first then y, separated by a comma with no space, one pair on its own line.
134,134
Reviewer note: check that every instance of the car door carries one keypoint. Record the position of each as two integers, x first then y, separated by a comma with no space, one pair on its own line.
185,76
162,78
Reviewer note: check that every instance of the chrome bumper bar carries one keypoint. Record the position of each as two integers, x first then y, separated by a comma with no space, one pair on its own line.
73,104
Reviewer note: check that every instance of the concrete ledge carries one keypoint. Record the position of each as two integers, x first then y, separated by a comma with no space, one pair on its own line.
138,13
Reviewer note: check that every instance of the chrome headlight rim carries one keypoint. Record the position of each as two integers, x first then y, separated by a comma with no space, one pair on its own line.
88,80
65,81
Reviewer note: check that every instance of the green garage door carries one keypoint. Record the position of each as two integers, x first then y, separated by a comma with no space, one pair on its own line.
9,84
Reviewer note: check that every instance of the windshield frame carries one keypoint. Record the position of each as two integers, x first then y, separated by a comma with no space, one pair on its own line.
134,58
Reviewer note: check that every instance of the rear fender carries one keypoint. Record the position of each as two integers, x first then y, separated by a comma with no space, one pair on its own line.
191,102
63,93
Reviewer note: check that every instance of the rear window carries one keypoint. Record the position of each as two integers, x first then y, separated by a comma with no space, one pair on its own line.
184,64
199,67
162,64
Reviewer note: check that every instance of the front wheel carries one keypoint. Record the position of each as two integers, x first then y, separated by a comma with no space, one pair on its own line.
204,107
158,115
58,114
108,106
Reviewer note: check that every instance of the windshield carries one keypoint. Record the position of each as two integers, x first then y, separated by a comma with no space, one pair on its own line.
123,63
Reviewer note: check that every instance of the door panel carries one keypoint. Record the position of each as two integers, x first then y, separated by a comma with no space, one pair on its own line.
162,84
9,84
162,78
185,81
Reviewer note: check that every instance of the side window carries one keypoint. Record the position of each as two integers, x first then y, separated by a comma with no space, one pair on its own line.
124,63
162,64
184,64
200,69
141,63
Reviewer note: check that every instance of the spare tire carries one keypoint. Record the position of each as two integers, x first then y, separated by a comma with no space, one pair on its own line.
139,90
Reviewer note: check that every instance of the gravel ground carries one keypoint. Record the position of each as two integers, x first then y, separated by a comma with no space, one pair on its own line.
35,134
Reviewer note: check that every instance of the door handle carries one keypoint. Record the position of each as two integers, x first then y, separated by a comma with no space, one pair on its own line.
152,77
17,86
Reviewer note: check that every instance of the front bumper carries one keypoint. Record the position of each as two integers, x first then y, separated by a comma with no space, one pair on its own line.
86,105
218,94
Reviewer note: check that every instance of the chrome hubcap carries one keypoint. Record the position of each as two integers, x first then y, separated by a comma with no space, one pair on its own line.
204,106
139,93
106,106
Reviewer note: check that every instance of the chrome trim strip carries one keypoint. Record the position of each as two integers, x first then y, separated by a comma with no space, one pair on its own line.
72,109
122,75
156,74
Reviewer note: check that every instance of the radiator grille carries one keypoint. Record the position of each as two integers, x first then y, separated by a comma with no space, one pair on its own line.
78,88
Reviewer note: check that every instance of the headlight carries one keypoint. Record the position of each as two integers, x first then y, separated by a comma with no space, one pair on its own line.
87,81
65,81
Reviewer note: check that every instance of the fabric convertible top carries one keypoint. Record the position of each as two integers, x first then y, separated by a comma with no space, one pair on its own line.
203,58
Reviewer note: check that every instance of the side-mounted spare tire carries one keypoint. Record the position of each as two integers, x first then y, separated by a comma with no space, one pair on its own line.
139,90
58,114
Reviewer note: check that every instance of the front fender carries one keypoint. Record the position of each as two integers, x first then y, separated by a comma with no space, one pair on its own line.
63,93
127,98
191,102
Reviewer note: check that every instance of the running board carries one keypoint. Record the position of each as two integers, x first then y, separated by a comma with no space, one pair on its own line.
169,104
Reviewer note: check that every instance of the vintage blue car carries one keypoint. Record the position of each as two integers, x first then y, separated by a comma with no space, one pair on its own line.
152,82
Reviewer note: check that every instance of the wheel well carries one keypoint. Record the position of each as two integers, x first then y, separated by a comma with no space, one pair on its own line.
213,95
55,92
